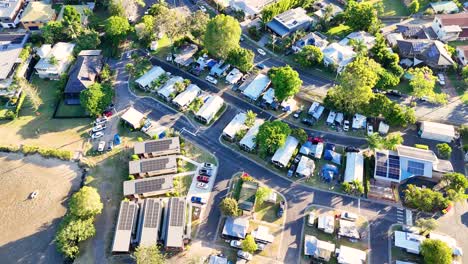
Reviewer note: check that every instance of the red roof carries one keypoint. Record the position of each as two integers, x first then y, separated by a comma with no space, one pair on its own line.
464,33
460,19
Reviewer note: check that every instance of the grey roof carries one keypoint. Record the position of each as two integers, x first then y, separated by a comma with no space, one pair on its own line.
12,45
150,221
154,166
416,153
236,227
9,8
433,53
290,21
149,186
84,72
158,147
125,223
175,223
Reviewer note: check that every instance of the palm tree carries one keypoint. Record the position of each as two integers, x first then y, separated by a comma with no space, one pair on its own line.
250,118
374,141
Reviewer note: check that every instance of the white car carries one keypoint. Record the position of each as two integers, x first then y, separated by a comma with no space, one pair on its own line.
244,255
99,128
261,52
202,8
34,194
97,135
236,243
441,79
211,79
349,216
346,125
147,125
100,120
208,166
202,185
370,130
101,146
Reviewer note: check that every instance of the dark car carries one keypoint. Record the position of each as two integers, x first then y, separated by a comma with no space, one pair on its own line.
204,179
196,71
281,208
291,171
395,93
351,149
198,200
307,121
261,66
205,172
110,145
297,158
297,114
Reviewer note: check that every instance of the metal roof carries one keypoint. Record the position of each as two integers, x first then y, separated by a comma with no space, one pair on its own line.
125,223
210,108
354,167
154,166
257,86
38,11
249,139
133,117
148,234
9,8
149,186
84,72
284,153
236,124
12,46
158,147
186,97
416,153
151,75
169,87
175,222
236,227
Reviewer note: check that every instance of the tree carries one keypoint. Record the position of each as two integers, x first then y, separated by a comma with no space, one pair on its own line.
300,135
422,84
72,231
96,98
70,16
271,136
444,150
197,23
85,203
285,80
229,207
414,6
31,92
390,142
241,58
435,251
424,199
144,29
427,224
116,28
88,40
309,56
222,35
455,185
116,8
250,117
249,245
53,32
169,22
354,187
149,255
262,194
361,16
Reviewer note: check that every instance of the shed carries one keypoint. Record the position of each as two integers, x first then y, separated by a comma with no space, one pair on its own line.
383,128
185,98
305,168
269,96
211,107
437,131
359,121
235,227
318,112
237,124
248,141
257,86
283,154
146,79
133,117
313,107
262,234
326,223
331,118
234,76
354,167
349,255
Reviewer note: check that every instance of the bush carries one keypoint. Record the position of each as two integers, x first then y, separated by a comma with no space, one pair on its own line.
444,150
424,199
9,148
229,207
421,146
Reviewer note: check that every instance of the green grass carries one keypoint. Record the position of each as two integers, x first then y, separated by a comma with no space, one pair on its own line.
267,212
339,31
199,155
65,110
457,82
393,8
458,43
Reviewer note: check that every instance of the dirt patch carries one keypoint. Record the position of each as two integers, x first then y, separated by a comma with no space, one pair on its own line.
28,225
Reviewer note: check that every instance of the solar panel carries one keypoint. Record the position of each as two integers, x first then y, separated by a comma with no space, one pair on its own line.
155,146
126,216
177,212
416,168
152,213
153,165
149,186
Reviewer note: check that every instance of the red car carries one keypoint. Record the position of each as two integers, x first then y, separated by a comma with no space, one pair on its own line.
107,113
204,179
316,140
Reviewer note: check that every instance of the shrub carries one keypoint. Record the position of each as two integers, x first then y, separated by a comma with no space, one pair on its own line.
140,139
135,157
421,146
444,150
9,148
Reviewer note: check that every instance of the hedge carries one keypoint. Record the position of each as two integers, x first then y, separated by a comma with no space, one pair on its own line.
45,152
10,114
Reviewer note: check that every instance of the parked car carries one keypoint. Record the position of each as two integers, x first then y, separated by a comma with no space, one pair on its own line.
108,113
101,145
110,145
307,121
198,200
441,79
148,124
208,166
205,172
297,158
346,125
261,66
97,135
349,216
291,171
351,149
316,140
236,243
281,208
370,129
241,39
99,128
211,79
260,247
195,71
202,185
202,8
395,93
100,121
34,194
297,114
244,255
261,52
204,179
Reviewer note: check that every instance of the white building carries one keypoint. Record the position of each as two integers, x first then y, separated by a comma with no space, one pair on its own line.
437,131
326,223
248,141
133,117
289,22
354,167
462,55
185,98
451,27
348,229
169,88
269,96
349,255
338,56
408,241
208,111
318,249
233,76
251,8
359,36
359,121
56,62
331,118
237,124
283,154
146,79
256,87
305,167
10,13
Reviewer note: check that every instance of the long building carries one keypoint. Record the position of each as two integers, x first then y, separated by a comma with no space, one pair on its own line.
126,227
148,187
153,166
208,111
150,222
157,148
174,226
248,143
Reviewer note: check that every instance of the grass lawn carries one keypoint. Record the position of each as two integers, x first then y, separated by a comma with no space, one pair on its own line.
198,154
393,8
267,212
65,110
457,82
339,31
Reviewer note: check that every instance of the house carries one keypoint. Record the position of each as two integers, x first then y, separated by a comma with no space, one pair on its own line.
349,255
219,69
318,249
348,229
269,96
145,81
416,31
431,52
37,14
237,124
437,131
359,36
408,241
312,150
169,88
12,45
125,227
305,167
283,154
246,199
326,223
153,166
133,118
234,76
56,62
248,143
392,38
251,8
157,148
451,27
359,122
318,112
462,55
148,187
257,86
150,220
354,167
444,7
289,22
262,235
211,107
174,224
185,98
313,38
184,57
235,228
83,11
83,74
338,56
407,162
322,10
10,13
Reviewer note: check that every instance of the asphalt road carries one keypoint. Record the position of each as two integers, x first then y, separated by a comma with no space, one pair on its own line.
299,197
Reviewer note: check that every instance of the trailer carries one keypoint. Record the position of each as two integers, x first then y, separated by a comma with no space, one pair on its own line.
437,131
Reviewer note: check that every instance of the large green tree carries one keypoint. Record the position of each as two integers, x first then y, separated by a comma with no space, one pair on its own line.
70,15
96,98
309,56
241,58
285,80
390,142
271,136
361,16
424,199
116,28
197,23
86,203
455,185
149,255
169,22
422,84
427,224
300,135
436,251
249,245
89,39
222,35
229,206
262,194
71,232
145,29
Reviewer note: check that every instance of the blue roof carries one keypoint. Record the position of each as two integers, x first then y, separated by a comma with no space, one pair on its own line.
278,28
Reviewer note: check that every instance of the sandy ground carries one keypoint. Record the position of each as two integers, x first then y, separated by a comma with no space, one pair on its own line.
27,227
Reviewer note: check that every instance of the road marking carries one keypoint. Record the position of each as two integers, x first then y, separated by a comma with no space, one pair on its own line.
188,131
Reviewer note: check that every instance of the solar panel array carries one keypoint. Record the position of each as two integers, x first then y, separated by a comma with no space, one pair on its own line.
177,212
394,167
153,165
382,163
127,211
152,210
155,146
416,168
150,185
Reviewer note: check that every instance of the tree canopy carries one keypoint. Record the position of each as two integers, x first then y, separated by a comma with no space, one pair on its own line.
262,194
149,255
455,185
86,203
422,84
222,35
248,244
229,206
424,199
71,232
435,251
389,142
96,98
241,58
309,56
300,135
116,28
427,224
197,23
361,16
286,82
250,118
271,136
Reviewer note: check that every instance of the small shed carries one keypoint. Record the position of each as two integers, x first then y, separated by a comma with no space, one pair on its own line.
359,121
305,168
383,128
133,117
437,131
331,118
326,223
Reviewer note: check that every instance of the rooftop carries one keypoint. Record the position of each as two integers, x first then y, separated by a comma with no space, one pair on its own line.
126,221
257,86
154,166
158,147
12,46
149,186
236,227
416,153
133,117
61,51
284,153
288,21
175,222
351,255
8,8
84,73
236,124
460,19
38,11
150,223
